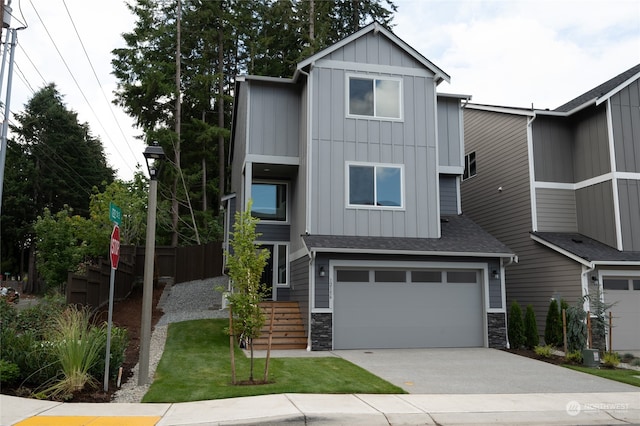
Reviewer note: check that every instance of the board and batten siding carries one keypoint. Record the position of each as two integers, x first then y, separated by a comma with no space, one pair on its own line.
500,143
629,197
556,210
275,119
625,120
240,142
552,150
591,145
595,212
449,194
298,189
337,140
299,288
450,140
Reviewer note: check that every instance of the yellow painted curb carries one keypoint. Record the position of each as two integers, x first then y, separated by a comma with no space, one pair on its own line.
90,421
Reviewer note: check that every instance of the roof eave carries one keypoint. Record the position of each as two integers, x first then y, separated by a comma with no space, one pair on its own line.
409,252
562,251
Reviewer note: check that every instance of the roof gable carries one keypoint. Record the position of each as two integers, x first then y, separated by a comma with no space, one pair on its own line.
605,90
376,29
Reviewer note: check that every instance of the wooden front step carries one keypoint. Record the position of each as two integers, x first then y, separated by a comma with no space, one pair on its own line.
288,328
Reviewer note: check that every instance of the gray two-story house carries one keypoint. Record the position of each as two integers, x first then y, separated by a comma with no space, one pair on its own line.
353,166
562,189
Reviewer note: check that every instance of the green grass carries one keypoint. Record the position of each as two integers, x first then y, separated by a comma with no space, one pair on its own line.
630,377
195,366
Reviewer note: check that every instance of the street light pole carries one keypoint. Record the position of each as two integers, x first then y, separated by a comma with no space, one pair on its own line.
151,153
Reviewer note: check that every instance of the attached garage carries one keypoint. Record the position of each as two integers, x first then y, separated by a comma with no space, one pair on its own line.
624,294
387,307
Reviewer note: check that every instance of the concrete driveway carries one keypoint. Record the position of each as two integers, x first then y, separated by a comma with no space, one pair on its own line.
474,371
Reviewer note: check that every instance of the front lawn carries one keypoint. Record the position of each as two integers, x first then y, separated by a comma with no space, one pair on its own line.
195,366
630,377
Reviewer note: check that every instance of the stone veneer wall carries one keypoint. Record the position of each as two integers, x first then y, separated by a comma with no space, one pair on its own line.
321,331
497,325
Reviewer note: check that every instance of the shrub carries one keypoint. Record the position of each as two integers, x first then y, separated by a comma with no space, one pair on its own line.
576,327
543,351
553,325
627,357
611,359
38,318
119,342
515,326
636,362
531,338
574,357
8,313
33,357
9,372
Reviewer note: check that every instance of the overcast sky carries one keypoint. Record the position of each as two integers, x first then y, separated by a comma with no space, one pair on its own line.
512,53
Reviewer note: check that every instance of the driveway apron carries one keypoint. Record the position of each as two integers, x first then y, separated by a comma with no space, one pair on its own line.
474,371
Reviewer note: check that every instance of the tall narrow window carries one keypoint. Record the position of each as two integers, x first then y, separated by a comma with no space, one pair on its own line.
375,185
269,201
379,97
469,165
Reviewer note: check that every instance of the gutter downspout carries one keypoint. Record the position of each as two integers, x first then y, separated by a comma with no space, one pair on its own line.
307,224
585,287
513,259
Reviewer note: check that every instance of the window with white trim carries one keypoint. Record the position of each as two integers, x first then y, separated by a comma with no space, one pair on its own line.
469,165
374,97
375,185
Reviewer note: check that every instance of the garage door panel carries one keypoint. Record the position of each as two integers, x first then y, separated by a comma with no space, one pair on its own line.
626,318
403,315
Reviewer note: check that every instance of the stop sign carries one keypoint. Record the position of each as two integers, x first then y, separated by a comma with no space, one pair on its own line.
114,249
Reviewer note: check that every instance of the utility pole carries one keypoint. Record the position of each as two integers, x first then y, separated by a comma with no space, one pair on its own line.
178,113
6,21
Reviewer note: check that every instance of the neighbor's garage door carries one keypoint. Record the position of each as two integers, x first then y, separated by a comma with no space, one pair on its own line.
624,294
407,309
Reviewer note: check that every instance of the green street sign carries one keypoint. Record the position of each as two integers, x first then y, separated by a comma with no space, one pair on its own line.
115,214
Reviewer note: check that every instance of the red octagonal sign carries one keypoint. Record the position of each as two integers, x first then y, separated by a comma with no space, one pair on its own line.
114,249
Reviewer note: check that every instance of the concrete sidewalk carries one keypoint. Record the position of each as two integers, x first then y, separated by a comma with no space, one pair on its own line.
303,409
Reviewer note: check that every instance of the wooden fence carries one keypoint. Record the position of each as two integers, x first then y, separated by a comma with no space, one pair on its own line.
183,264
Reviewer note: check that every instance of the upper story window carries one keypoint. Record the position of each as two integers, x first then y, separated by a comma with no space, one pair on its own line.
375,185
269,201
374,97
469,165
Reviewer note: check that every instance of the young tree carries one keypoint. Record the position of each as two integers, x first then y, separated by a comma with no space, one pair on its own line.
553,325
515,326
246,263
531,337
576,327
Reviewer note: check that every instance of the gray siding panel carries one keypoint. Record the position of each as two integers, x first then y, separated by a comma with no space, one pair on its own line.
298,192
321,296
625,118
591,152
500,143
552,150
239,147
273,232
596,219
448,194
299,289
374,49
629,196
275,119
556,210
337,139
495,286
450,144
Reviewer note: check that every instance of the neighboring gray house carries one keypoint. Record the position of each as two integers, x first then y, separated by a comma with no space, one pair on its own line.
562,189
353,166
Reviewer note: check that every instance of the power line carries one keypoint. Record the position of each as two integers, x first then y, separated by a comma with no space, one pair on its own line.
78,85
97,79
44,81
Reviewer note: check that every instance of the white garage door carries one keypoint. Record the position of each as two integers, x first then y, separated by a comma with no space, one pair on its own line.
624,294
389,308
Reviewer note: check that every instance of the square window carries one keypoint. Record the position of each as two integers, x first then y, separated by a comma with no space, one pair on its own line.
469,165
269,201
379,97
375,186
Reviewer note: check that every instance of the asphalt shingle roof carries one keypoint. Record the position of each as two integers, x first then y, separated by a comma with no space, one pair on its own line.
458,235
587,248
602,89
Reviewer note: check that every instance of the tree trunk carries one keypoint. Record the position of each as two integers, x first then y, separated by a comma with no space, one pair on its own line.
232,347
174,201
221,162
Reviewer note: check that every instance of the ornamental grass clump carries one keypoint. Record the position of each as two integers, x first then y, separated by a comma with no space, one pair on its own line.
76,346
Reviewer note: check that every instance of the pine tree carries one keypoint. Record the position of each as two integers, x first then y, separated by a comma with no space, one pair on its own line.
530,328
515,326
553,325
